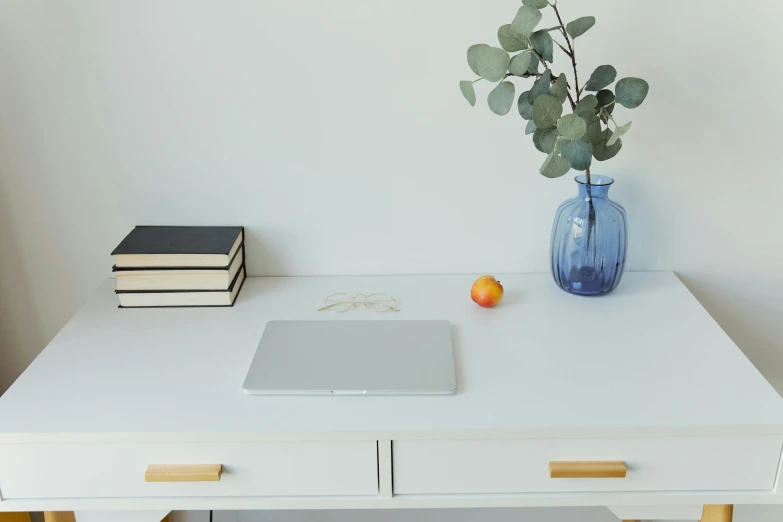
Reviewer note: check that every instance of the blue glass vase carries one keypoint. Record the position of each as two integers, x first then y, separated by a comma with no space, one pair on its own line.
589,240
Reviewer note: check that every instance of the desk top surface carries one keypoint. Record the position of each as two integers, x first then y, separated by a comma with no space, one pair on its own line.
645,358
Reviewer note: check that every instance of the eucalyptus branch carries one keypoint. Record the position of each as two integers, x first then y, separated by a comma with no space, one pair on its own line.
540,58
562,48
545,114
572,54
570,99
554,78
526,75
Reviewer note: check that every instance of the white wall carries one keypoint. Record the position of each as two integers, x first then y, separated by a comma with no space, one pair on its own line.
336,132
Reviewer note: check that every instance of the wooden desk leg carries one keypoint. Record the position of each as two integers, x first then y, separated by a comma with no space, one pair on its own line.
14,517
718,513
59,516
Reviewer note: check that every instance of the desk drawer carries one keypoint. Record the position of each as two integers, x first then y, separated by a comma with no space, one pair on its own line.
249,469
429,467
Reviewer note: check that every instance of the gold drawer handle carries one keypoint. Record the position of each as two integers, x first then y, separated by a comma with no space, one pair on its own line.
183,473
601,469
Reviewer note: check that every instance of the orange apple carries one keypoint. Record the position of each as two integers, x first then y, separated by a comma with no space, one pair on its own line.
487,291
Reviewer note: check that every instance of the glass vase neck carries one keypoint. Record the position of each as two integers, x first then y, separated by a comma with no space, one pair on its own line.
598,187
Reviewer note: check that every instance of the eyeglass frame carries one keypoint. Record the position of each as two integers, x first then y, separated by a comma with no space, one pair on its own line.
355,304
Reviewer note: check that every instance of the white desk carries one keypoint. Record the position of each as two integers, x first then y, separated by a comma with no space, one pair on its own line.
643,375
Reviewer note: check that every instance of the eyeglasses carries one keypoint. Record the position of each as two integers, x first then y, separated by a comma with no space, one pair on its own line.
379,303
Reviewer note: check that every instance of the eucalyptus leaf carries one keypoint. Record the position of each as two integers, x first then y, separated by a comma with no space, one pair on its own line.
594,130
511,40
538,4
547,161
519,64
468,91
473,52
604,112
542,43
588,103
501,98
546,111
524,106
579,154
605,98
603,76
631,92
537,137
530,128
580,26
555,166
540,86
605,103
533,69
602,151
571,126
490,63
545,139
560,88
618,133
526,20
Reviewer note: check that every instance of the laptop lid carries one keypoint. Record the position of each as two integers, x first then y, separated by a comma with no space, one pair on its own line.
338,357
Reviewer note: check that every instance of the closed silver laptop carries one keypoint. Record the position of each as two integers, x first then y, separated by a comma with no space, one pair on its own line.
371,357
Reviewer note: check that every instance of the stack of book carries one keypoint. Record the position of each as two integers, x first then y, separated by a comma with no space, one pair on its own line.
180,266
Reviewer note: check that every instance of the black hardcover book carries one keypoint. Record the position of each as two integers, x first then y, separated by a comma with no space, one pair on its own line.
186,298
178,247
238,253
173,279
